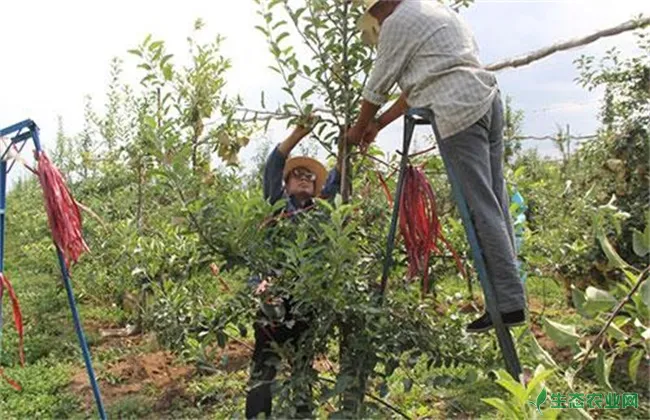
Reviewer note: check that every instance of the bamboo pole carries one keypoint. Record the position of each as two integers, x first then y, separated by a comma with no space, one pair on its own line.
536,55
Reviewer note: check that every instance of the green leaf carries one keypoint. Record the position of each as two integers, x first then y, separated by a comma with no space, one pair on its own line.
644,292
221,339
306,94
537,380
165,59
503,407
641,241
615,332
148,78
569,377
579,300
262,30
300,11
598,301
135,52
277,25
562,335
646,334
509,384
633,366
282,36
168,72
594,294
603,369
614,259
154,45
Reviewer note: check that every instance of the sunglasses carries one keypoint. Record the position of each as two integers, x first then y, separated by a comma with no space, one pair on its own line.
301,173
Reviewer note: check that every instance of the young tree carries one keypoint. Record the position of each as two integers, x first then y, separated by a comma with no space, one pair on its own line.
513,119
623,147
323,65
62,148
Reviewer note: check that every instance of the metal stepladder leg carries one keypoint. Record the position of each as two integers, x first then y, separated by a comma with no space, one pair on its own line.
20,134
421,116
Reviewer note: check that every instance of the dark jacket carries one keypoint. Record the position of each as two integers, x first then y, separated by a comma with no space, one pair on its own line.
274,190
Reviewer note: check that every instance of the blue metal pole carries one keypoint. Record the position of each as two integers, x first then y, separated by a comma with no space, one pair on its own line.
73,308
35,136
409,126
3,205
16,127
508,349
80,335
503,334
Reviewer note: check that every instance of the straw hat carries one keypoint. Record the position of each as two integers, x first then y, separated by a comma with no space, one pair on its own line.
367,24
313,165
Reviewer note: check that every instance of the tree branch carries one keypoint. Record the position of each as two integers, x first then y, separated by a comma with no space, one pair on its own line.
589,137
642,278
375,398
567,45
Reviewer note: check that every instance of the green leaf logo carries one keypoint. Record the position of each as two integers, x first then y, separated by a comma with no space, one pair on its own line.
541,398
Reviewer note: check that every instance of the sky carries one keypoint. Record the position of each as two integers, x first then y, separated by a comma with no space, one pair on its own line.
54,53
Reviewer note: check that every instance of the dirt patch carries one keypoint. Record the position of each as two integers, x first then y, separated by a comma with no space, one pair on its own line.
234,357
132,375
237,356
536,306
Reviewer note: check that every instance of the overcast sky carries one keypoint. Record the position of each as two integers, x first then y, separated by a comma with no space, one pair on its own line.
55,52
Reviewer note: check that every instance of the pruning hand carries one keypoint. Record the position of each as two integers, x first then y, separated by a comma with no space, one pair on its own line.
369,136
306,124
354,135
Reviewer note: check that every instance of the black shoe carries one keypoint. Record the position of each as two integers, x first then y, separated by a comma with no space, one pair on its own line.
484,323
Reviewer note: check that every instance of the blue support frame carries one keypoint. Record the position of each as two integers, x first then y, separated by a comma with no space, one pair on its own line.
423,116
3,205
20,136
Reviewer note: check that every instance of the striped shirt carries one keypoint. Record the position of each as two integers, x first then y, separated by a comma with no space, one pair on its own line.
430,52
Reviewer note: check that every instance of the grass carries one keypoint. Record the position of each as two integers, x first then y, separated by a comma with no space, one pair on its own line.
445,392
43,391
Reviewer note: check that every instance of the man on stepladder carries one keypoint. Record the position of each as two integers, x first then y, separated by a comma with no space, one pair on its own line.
429,51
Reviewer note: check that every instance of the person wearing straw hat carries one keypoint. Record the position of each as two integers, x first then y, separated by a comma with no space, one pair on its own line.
429,51
297,180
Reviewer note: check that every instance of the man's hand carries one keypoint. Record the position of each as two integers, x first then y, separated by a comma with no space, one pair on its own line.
354,135
369,135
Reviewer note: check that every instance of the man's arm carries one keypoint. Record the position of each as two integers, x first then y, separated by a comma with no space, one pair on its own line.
394,112
395,49
275,164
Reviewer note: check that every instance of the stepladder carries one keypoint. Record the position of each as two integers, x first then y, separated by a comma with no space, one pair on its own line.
425,116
